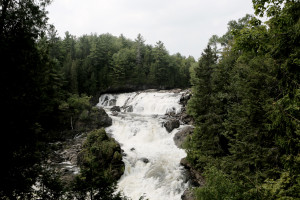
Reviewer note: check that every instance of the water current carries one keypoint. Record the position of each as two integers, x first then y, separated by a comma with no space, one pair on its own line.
152,160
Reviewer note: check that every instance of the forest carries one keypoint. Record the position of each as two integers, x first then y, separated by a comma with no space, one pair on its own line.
245,101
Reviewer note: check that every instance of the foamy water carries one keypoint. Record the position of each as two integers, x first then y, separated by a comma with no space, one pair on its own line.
152,161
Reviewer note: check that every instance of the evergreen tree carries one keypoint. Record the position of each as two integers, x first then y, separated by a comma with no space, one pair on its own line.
206,143
29,94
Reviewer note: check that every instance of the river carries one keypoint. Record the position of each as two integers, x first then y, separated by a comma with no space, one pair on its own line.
152,160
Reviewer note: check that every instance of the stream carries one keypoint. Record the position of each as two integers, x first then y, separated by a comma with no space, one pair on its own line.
152,160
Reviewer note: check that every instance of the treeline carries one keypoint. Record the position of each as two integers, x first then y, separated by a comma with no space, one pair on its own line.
94,63
245,102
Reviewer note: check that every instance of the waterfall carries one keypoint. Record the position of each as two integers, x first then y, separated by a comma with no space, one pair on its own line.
152,160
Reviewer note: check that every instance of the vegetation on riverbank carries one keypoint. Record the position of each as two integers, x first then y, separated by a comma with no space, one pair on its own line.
245,103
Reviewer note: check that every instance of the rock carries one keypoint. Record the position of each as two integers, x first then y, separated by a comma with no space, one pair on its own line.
114,113
188,195
195,177
129,109
186,119
180,136
132,149
97,118
112,102
170,125
145,160
171,112
55,158
185,97
104,119
116,109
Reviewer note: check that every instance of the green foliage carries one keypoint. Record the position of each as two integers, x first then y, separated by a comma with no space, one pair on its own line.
207,143
218,187
50,185
284,187
246,108
93,63
100,160
30,89
75,107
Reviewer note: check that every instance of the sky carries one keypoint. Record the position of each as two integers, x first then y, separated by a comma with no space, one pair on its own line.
184,26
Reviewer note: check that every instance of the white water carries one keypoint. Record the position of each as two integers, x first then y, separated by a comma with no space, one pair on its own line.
143,138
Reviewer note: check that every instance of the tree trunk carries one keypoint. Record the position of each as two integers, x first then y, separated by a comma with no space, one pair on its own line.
72,123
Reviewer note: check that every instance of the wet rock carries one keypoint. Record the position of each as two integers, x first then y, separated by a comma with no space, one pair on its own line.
186,119
185,97
114,113
182,134
171,124
195,177
188,195
129,109
116,109
112,102
99,118
145,160
55,157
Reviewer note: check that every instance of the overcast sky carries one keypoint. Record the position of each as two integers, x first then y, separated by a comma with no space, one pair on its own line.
184,26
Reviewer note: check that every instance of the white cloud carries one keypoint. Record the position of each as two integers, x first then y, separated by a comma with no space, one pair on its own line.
183,26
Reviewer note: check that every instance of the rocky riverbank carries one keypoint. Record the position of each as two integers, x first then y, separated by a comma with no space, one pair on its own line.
64,156
173,120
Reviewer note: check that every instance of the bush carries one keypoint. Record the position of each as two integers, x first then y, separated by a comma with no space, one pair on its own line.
99,161
218,187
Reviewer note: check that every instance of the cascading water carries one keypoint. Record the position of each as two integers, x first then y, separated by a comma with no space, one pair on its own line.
151,158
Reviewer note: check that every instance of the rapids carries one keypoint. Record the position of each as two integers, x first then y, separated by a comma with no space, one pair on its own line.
151,158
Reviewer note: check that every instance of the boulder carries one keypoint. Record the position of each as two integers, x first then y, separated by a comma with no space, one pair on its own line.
129,109
112,102
145,160
104,119
188,195
115,109
186,119
97,118
180,136
171,124
195,177
185,97
114,113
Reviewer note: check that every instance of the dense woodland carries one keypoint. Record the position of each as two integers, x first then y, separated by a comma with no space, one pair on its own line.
94,63
245,101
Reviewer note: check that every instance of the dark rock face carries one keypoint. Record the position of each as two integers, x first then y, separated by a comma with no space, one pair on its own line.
188,195
182,134
97,118
129,109
182,116
185,118
112,102
116,109
114,113
145,160
63,159
194,176
185,97
102,116
172,124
